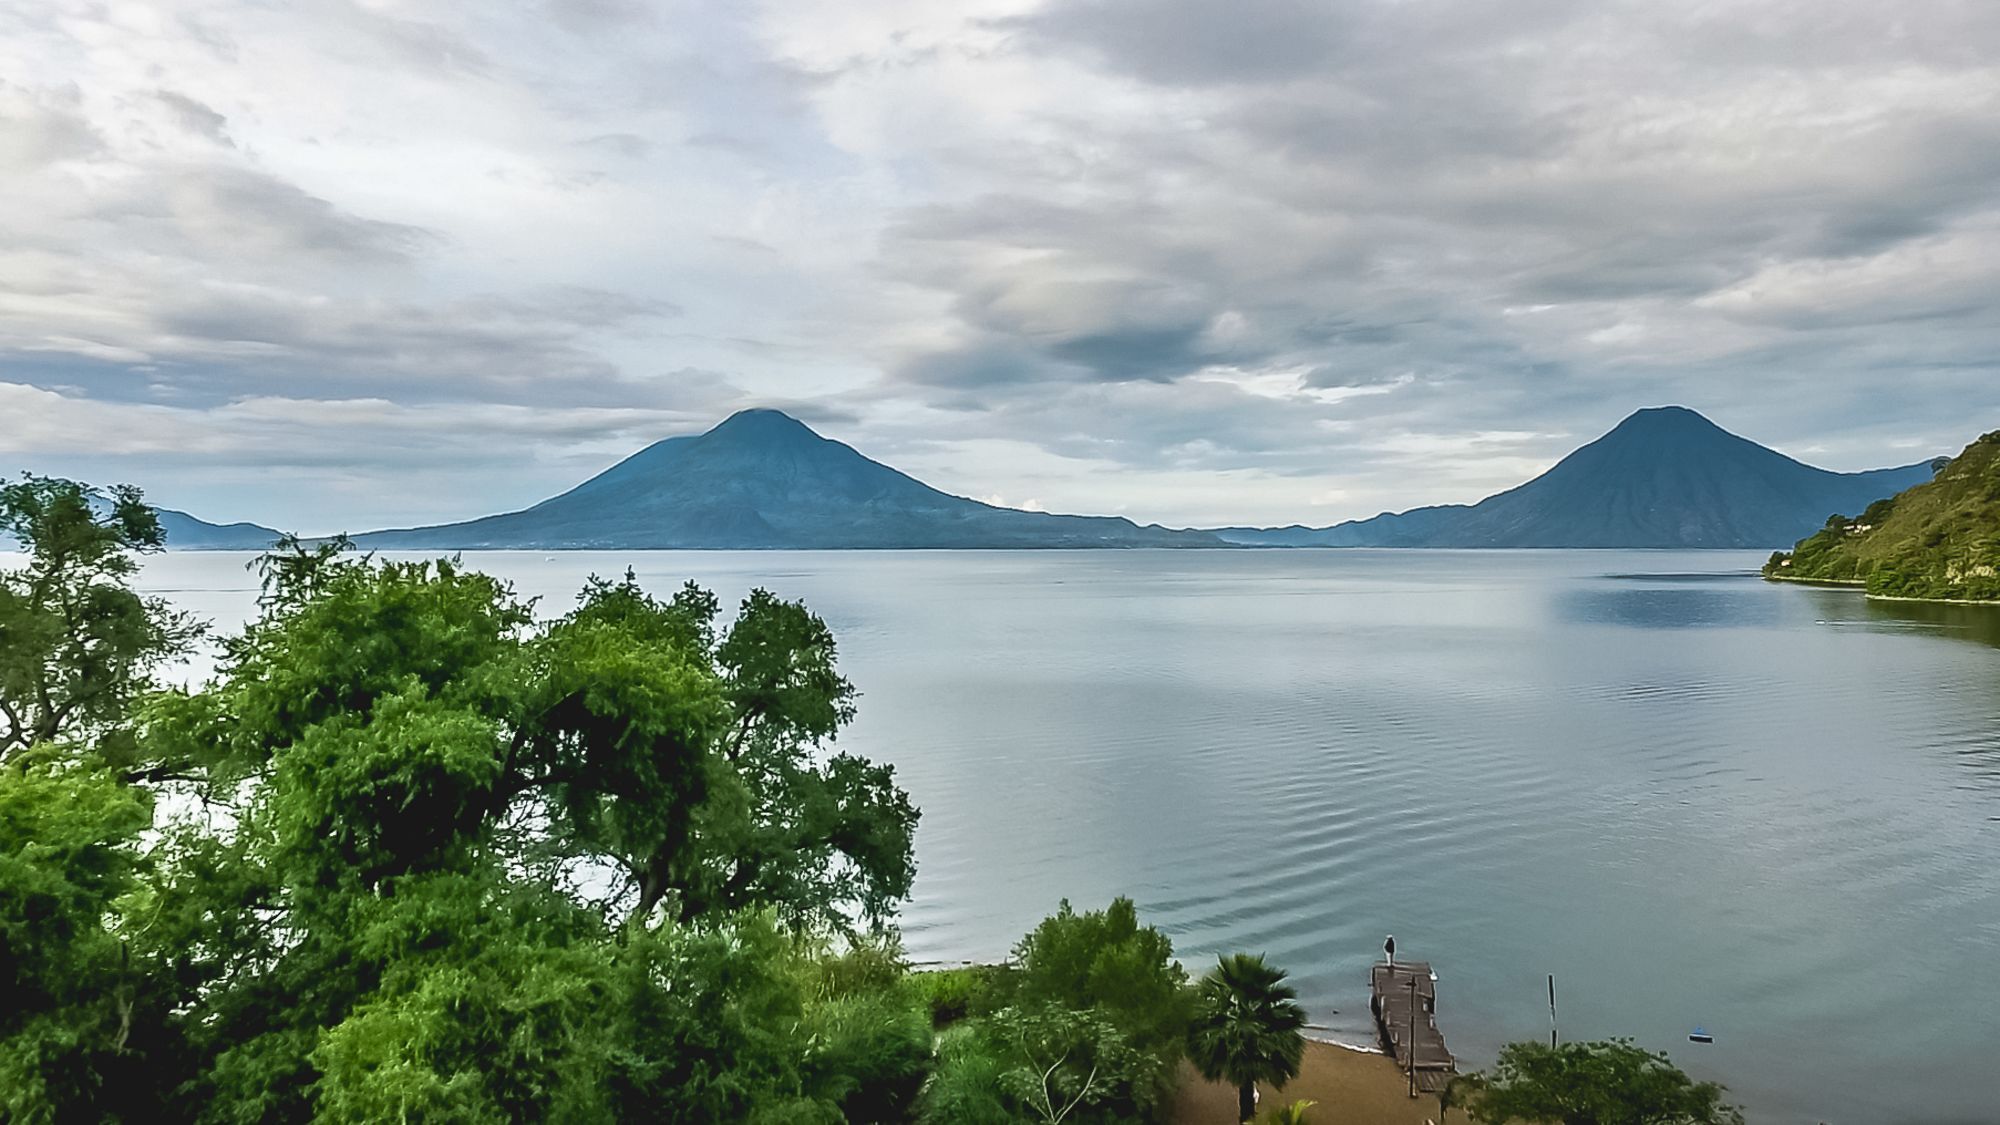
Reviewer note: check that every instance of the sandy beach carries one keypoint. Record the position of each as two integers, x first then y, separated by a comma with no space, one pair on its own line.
1352,1087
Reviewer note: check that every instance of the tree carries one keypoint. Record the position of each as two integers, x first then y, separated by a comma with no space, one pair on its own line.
1602,1083
1106,959
458,834
1086,1025
77,649
67,836
1073,1064
1046,1063
413,854
77,646
1246,1029
755,814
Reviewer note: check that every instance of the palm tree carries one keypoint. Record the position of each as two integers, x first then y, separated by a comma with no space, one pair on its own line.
1246,1028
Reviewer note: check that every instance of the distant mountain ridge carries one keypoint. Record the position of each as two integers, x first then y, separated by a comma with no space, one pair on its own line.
1939,540
762,479
187,533
1665,477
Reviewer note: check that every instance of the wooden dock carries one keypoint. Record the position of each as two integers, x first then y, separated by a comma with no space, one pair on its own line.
1411,1036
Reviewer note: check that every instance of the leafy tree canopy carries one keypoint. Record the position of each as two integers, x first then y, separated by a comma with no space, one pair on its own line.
77,646
1602,1083
1085,1026
415,854
1048,1063
1106,959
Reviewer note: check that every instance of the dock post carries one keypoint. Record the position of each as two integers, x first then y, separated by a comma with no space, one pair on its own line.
1552,1011
1411,1051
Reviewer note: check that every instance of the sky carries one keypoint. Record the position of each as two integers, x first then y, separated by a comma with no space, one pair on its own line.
344,264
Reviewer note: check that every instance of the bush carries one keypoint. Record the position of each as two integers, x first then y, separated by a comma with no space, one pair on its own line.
868,1054
965,1090
1105,959
1045,1063
1595,1084
955,994
865,966
867,1032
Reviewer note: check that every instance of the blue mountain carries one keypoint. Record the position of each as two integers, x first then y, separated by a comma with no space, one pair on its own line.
763,479
186,533
1665,477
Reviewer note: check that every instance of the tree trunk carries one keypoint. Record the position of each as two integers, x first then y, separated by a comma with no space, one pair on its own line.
1246,1101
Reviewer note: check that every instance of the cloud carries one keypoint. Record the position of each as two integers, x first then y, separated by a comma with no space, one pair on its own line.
1271,261
196,117
238,212
43,127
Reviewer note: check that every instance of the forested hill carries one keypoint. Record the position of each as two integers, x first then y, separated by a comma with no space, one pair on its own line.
1665,477
762,479
1938,540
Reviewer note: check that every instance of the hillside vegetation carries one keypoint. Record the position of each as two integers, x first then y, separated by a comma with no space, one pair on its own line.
1939,540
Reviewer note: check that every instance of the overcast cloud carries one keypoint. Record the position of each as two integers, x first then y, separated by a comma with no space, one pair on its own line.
355,263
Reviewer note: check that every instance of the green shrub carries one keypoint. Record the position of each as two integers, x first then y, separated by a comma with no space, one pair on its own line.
1043,1062
868,1054
1107,960
965,1090
954,994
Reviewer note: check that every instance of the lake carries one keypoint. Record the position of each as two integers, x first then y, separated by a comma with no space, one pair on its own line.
1694,797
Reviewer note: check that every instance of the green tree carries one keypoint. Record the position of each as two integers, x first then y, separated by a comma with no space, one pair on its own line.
77,649
458,835
1246,1030
1074,1064
1602,1083
1046,1063
1086,1025
77,646
753,813
420,855
1106,959
67,855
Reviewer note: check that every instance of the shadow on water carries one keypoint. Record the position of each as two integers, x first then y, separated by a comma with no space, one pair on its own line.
1665,607
1979,623
1716,576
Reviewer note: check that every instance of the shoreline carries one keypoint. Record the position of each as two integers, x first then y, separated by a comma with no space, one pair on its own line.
1932,601
1837,583
1351,1085
1862,585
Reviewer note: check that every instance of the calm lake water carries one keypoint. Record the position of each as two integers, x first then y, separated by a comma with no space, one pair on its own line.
1694,797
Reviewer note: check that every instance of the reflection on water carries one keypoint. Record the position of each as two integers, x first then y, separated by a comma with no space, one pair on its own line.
1970,622
1689,606
1695,797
